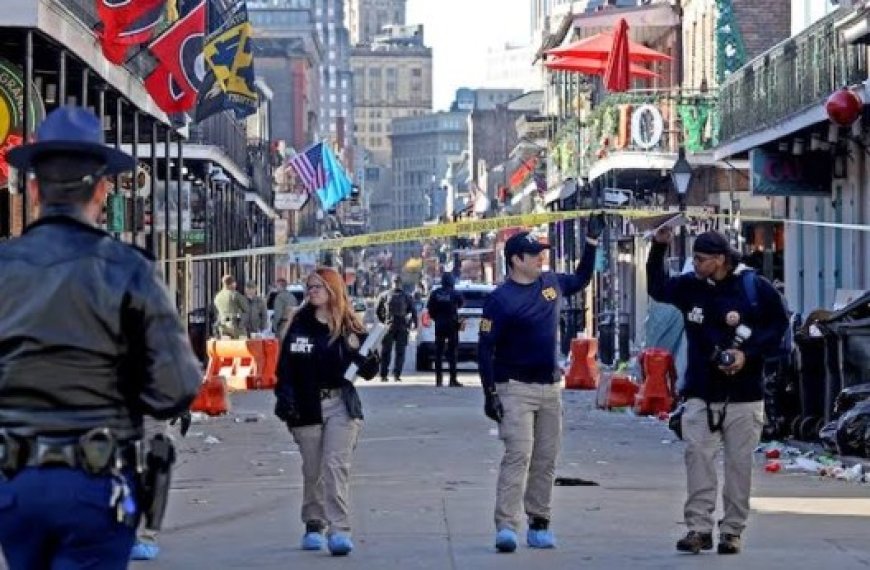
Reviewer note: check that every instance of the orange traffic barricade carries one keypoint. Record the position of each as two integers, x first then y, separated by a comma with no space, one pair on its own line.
213,397
583,373
616,391
659,379
244,363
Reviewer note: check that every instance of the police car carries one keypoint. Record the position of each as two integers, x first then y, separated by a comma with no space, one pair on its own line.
474,296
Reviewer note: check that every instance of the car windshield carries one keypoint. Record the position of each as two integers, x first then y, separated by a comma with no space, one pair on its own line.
474,299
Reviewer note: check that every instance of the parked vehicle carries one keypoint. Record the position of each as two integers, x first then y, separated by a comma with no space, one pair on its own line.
474,296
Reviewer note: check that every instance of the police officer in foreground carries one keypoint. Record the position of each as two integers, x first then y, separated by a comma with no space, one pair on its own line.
89,344
443,306
733,318
520,378
232,309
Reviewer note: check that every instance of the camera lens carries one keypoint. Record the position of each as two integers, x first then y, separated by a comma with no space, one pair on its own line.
726,359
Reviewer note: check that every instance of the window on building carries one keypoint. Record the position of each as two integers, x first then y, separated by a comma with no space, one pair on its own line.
416,72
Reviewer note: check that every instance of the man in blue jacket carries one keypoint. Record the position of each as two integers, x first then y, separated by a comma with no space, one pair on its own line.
443,306
734,319
520,378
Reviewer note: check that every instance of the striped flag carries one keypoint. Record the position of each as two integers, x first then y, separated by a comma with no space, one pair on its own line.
308,167
321,173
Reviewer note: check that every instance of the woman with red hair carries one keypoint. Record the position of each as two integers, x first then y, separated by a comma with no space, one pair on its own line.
320,407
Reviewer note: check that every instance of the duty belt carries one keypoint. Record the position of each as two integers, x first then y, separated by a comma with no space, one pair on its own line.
96,452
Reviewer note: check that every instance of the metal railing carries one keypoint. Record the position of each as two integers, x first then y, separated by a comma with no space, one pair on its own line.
223,131
792,76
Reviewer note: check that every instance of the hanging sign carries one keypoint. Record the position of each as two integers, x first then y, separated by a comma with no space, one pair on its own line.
12,113
647,126
784,174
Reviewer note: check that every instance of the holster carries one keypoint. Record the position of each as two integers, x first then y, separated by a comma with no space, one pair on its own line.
156,480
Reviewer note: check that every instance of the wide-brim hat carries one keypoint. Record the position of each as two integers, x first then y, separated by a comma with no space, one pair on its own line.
74,130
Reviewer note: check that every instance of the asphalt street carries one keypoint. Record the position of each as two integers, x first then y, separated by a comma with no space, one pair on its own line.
424,484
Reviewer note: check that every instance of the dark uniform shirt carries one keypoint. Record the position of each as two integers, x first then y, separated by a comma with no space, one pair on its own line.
705,305
520,322
443,306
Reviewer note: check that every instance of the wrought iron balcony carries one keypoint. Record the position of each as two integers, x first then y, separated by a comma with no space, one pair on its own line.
792,76
223,131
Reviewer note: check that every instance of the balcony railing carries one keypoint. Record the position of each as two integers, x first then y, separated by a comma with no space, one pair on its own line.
790,77
223,131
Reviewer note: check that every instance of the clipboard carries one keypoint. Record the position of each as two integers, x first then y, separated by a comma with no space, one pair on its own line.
374,339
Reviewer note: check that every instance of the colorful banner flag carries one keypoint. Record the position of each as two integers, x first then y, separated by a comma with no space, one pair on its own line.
175,82
228,52
321,173
124,24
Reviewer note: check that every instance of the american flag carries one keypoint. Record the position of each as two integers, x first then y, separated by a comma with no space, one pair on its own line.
308,166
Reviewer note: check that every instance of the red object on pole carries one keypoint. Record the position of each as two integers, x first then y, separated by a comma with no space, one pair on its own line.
844,107
617,77
583,374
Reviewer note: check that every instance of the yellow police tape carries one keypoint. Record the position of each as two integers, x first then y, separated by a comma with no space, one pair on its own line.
452,229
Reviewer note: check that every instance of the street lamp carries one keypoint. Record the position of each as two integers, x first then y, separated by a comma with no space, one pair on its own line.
681,174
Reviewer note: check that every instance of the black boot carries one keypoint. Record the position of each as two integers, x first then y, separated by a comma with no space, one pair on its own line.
695,542
728,543
455,383
438,381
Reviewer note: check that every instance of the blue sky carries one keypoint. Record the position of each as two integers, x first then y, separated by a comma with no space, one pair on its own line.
459,33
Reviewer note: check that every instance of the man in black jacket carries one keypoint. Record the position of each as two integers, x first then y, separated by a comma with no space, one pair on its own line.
89,344
734,319
443,306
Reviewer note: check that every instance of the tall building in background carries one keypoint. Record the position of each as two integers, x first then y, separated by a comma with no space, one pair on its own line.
336,84
423,147
392,78
366,18
288,54
510,66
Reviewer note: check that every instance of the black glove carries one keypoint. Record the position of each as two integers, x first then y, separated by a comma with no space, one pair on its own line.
492,407
185,420
595,225
287,412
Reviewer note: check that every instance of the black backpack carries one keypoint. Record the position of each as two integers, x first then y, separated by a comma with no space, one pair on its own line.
397,308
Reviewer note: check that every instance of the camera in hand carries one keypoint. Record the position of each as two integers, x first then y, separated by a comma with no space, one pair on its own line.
723,358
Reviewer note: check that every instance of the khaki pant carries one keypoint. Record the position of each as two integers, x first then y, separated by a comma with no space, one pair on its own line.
532,434
739,437
326,451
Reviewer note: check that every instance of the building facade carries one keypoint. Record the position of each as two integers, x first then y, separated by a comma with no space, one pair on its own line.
422,149
392,78
336,86
366,18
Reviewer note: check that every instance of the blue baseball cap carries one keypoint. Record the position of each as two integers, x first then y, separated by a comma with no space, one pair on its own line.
521,243
71,129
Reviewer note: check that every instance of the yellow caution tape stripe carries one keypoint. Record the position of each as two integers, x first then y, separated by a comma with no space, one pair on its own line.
452,229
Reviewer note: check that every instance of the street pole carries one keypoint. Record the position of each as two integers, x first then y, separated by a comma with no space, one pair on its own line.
682,233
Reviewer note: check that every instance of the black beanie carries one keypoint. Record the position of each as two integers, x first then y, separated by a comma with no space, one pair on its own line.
712,243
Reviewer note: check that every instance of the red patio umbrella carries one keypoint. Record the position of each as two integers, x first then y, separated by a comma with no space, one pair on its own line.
616,76
590,66
599,46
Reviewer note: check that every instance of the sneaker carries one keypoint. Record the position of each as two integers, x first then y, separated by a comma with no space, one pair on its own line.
506,540
339,544
539,534
144,551
695,542
728,543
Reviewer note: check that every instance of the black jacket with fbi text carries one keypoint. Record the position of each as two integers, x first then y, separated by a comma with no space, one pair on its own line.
706,305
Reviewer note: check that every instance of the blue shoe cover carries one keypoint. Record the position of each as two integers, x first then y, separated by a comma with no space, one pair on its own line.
506,540
541,538
312,541
144,551
339,544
